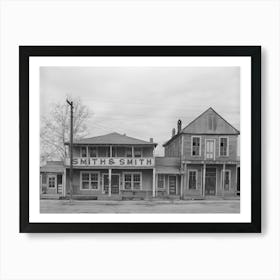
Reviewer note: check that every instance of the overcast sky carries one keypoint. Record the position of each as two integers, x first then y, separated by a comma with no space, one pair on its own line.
144,102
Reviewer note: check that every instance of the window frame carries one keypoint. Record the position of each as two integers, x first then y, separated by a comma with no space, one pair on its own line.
90,188
141,152
164,185
126,149
132,181
196,177
193,136
81,153
223,180
92,147
53,176
227,151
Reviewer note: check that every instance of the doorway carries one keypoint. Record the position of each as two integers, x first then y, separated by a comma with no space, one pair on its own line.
172,185
210,149
210,181
115,183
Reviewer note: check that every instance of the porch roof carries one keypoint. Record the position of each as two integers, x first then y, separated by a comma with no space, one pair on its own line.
113,139
167,170
167,165
53,167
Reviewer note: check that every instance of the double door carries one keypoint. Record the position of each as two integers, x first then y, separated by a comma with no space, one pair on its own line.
115,183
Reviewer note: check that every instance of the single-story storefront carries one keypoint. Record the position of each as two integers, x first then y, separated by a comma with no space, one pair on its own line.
52,179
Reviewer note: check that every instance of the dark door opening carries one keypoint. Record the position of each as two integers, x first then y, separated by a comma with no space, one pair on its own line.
115,184
210,181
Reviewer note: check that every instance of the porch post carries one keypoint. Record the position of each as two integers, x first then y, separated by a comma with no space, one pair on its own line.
203,183
223,178
236,179
64,183
154,182
184,176
182,183
187,178
110,181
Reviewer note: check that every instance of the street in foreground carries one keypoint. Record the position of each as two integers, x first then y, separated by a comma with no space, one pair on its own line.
99,206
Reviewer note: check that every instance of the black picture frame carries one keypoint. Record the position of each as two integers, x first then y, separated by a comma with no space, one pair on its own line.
25,52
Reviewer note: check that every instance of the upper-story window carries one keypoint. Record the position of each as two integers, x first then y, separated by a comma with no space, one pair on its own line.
92,151
128,152
223,146
114,152
104,151
196,150
137,152
83,151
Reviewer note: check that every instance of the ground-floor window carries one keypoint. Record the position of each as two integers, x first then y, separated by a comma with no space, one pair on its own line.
132,181
89,180
227,180
51,182
160,182
192,179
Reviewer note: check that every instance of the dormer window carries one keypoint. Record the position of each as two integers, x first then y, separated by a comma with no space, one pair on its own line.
223,146
196,146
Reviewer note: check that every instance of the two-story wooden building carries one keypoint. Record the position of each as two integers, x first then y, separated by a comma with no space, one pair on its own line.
208,152
112,166
200,160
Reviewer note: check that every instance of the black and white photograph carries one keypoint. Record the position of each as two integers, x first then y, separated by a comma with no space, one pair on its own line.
141,139
154,136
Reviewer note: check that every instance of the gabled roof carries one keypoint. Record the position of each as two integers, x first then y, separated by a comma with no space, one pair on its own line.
219,125
53,166
112,139
200,125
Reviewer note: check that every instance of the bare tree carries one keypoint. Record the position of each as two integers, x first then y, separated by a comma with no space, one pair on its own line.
55,129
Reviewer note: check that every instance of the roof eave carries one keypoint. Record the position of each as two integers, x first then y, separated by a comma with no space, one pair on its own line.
102,144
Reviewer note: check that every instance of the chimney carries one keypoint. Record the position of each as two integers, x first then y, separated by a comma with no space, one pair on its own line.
151,140
179,126
173,132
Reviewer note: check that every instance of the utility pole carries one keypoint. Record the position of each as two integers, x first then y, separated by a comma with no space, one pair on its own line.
71,147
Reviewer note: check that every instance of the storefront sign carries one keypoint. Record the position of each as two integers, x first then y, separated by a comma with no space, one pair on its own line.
144,162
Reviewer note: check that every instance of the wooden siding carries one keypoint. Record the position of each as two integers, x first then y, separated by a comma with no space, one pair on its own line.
219,189
173,149
232,149
147,180
210,122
